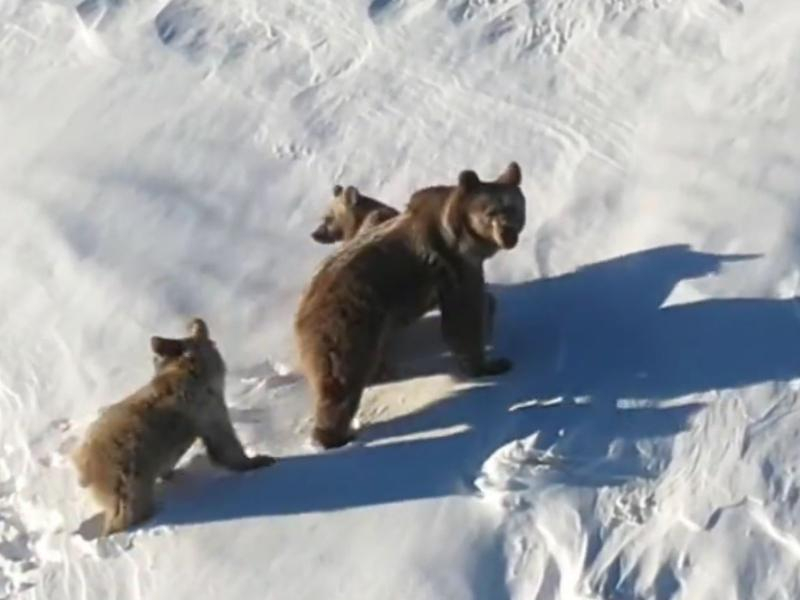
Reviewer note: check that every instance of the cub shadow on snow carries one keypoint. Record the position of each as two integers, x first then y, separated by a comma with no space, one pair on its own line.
599,334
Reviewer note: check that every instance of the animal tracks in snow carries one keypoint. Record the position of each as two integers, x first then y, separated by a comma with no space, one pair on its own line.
18,558
26,531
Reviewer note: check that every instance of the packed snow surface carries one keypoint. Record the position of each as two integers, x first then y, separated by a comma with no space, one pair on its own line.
161,159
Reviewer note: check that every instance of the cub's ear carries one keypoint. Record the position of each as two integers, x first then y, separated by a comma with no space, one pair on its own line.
511,176
351,195
166,347
468,180
198,329
337,190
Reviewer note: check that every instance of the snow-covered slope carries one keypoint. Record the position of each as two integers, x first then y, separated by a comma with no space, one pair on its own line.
166,158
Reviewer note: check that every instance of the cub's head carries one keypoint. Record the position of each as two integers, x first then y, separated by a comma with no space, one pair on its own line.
349,213
489,215
196,353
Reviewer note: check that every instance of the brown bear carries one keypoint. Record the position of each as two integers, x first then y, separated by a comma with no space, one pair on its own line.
349,214
383,278
141,438
352,213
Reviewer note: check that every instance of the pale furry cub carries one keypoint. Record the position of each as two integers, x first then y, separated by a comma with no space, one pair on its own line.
141,438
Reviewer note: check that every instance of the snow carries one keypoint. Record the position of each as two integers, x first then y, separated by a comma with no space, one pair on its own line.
169,158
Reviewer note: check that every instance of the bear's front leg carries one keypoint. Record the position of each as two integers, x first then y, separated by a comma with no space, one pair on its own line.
465,316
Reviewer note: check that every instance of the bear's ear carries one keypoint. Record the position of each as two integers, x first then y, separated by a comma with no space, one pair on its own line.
468,180
166,347
337,190
198,329
511,176
351,195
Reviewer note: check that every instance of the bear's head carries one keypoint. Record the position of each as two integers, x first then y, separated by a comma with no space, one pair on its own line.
486,216
197,354
349,213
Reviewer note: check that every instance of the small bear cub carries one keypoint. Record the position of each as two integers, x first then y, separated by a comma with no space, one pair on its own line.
349,214
141,438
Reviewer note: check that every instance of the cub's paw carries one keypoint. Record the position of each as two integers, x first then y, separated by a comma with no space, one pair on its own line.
329,438
262,460
167,475
496,366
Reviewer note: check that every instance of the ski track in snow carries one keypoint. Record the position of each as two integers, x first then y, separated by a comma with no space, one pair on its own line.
167,158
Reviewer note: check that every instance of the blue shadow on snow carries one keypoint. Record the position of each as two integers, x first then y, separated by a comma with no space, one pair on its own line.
599,334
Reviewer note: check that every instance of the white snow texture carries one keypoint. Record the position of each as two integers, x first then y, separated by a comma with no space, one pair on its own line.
161,159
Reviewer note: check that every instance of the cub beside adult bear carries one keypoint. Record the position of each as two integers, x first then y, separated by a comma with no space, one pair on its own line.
349,214
383,278
141,438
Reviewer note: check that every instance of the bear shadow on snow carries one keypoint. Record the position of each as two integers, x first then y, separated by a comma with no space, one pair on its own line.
598,335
